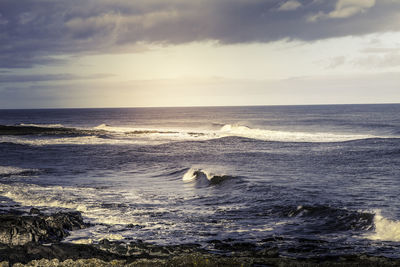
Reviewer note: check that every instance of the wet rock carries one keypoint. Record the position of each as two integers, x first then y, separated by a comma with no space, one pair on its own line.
24,235
268,252
145,250
219,245
35,211
19,230
63,254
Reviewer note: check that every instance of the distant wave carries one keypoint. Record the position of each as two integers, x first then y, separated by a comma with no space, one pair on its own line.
45,130
7,171
72,140
36,134
287,136
143,131
204,177
56,125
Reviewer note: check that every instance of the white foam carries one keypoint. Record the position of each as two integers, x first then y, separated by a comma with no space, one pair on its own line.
109,128
385,229
57,125
138,130
10,170
92,235
68,198
190,175
193,174
154,136
80,140
287,136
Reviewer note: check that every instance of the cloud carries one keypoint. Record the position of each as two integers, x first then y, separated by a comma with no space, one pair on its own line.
384,61
379,56
10,78
290,5
336,62
37,32
345,9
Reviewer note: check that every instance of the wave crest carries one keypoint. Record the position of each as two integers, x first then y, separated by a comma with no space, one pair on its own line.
124,134
55,125
204,176
325,218
288,136
7,171
46,131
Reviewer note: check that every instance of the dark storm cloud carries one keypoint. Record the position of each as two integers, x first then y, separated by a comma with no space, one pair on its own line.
36,31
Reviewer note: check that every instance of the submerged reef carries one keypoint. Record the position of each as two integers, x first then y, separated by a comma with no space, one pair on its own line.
35,239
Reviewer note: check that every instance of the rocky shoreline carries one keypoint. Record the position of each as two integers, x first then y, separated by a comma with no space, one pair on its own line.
35,239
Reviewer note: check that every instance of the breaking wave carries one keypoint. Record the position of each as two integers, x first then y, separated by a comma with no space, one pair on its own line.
56,125
57,197
7,171
326,219
73,140
205,177
287,136
37,134
385,229
47,130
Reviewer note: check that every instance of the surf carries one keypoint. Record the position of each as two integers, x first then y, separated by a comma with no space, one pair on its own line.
385,229
205,177
288,136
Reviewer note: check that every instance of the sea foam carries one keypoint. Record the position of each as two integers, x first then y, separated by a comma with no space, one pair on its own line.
288,136
205,177
30,195
11,170
56,125
385,229
125,135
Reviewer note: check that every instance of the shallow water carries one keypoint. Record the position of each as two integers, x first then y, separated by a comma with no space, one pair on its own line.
328,175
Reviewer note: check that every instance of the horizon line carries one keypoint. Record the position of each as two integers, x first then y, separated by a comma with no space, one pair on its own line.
199,106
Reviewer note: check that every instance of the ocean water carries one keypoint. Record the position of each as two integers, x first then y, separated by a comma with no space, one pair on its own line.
322,179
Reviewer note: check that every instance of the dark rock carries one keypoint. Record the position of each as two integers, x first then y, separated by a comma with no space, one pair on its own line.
35,211
219,245
19,230
22,238
60,251
269,252
143,254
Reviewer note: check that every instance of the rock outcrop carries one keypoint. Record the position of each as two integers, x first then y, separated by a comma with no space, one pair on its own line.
34,240
16,229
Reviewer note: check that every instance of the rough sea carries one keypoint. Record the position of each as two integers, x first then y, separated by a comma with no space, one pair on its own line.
312,180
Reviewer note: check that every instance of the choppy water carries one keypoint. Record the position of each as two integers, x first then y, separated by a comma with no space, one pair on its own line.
329,175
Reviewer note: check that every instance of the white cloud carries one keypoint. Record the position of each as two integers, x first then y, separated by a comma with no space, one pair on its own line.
387,60
336,62
345,9
290,5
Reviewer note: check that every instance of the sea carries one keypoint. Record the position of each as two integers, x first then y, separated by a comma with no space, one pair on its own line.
311,180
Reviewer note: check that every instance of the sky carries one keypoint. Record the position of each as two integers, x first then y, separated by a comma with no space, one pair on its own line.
144,53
